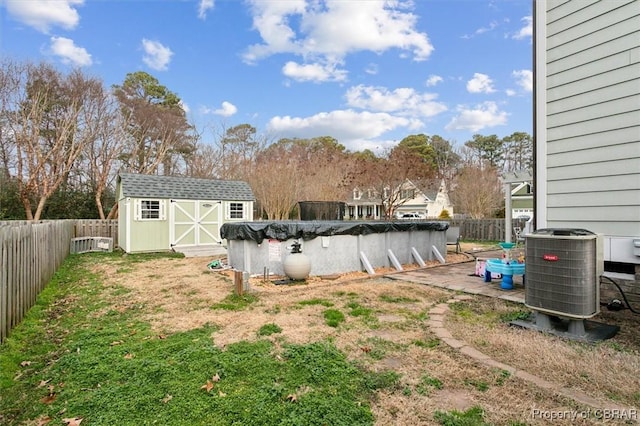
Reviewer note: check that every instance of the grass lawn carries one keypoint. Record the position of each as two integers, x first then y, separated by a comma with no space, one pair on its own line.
72,359
158,339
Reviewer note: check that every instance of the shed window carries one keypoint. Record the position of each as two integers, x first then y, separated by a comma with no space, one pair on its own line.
236,210
150,210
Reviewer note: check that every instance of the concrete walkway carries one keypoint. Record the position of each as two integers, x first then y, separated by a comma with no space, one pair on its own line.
460,277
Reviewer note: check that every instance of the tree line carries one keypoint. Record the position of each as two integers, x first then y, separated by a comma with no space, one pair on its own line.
65,136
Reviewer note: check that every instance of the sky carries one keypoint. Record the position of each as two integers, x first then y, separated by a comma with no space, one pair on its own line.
366,72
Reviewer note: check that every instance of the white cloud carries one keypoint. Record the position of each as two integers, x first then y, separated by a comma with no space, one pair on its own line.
403,101
492,26
184,106
69,53
371,69
227,109
433,80
156,56
271,21
351,128
331,29
482,116
527,30
524,79
203,7
480,83
44,14
313,72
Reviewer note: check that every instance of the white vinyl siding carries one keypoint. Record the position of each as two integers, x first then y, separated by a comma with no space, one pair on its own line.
588,123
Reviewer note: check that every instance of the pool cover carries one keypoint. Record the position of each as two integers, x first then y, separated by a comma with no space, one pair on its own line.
308,230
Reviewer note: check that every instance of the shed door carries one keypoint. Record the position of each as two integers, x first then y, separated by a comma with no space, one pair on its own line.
195,223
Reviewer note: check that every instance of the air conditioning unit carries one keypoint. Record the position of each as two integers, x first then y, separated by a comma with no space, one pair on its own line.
563,269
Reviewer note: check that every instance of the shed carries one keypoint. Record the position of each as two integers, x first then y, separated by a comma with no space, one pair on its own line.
160,213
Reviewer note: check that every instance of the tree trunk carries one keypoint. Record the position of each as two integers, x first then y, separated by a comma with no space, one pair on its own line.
40,208
27,206
113,213
99,204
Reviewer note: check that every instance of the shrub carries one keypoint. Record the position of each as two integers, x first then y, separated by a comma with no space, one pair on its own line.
444,214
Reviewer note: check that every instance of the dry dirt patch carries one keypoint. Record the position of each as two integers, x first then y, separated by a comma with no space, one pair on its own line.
175,295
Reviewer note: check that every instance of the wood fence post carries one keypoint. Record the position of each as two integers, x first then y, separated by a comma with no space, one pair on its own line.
238,282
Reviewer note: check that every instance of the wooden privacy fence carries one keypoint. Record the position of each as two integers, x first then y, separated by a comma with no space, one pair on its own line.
485,229
30,253
98,228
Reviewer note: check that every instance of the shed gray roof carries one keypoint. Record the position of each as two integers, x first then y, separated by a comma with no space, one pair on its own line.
184,188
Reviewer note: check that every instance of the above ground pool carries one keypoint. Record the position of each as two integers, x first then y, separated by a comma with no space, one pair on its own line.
333,246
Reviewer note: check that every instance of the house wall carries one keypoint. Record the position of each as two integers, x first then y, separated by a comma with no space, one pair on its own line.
588,120
439,204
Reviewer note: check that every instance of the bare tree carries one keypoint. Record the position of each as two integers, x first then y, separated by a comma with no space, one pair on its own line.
325,164
11,84
204,162
388,176
478,191
49,129
276,182
102,153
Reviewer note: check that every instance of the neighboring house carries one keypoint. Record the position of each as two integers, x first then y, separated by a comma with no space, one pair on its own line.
367,204
587,121
364,204
158,213
521,200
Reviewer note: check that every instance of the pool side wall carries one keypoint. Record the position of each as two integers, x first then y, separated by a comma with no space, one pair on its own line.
337,253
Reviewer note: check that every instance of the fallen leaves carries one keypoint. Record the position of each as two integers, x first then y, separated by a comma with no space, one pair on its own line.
43,420
210,383
292,397
51,396
167,398
72,421
207,386
25,363
48,399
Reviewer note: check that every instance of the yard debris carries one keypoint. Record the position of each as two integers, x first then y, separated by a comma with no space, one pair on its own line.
207,386
72,421
217,264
